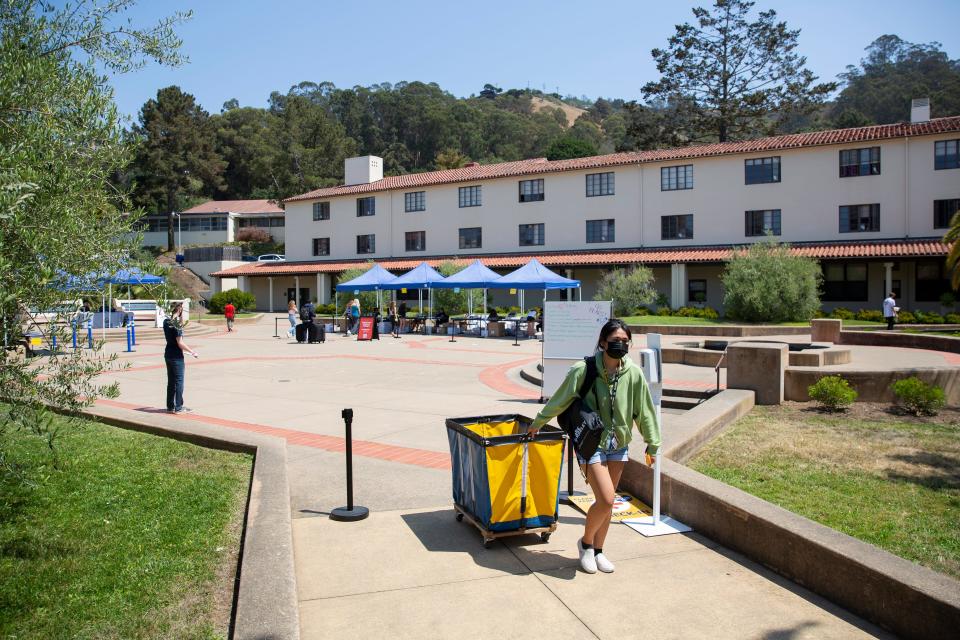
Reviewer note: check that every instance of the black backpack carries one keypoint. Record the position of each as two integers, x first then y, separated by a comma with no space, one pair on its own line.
582,425
306,313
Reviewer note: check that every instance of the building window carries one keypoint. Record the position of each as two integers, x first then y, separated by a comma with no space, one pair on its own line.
416,240
321,246
470,196
760,223
845,282
276,222
859,217
321,211
600,184
531,190
601,231
860,162
531,235
676,227
366,243
366,207
205,223
471,238
415,201
943,212
697,291
762,170
931,281
946,154
676,178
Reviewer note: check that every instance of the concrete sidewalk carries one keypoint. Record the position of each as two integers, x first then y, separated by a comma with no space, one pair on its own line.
411,570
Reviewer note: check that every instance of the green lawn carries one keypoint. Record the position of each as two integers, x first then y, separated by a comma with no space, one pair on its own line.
681,320
888,480
128,535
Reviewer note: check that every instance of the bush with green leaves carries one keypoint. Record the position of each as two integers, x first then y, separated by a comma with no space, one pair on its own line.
697,312
952,318
832,393
664,311
871,315
642,311
842,313
242,300
930,317
917,397
627,288
906,317
765,283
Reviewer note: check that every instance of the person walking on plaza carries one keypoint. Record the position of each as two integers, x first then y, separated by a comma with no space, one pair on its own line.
890,309
292,317
394,318
354,317
173,356
621,397
229,312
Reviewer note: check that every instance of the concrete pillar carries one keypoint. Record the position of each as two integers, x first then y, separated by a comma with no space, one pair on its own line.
825,330
231,224
215,285
569,275
678,285
296,289
888,278
758,367
323,288
242,283
270,285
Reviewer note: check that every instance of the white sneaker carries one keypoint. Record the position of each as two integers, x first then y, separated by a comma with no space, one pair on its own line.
587,562
603,564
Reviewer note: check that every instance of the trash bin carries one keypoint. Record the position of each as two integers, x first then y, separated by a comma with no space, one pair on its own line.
505,482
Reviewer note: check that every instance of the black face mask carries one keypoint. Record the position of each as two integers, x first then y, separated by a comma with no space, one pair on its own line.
617,349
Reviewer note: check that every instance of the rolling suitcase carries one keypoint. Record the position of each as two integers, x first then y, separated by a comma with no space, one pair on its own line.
313,332
301,332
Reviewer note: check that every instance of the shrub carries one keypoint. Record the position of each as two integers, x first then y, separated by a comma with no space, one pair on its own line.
766,284
918,397
929,318
664,311
842,313
709,313
325,309
905,317
832,392
628,289
240,299
952,318
687,312
948,300
642,311
820,313
253,234
872,315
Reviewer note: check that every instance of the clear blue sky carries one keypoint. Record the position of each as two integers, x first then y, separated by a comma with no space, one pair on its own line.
245,49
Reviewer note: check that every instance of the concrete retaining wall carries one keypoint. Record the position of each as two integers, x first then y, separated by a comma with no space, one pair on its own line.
910,600
719,330
874,386
906,340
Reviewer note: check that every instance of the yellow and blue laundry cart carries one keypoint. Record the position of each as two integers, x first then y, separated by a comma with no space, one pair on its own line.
505,481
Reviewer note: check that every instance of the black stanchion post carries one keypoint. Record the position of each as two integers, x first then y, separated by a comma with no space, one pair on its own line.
350,512
516,333
276,332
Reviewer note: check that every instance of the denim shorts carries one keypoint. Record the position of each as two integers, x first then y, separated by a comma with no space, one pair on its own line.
611,455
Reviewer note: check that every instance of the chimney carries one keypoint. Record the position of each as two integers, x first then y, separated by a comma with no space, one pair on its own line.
362,170
919,110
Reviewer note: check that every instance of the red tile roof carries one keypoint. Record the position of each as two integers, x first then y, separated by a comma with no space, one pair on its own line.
236,206
542,165
881,249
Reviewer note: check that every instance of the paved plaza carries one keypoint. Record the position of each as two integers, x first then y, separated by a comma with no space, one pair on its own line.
411,570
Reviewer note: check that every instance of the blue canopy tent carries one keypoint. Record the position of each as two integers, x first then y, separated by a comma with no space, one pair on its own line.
374,279
94,282
534,275
130,277
423,276
475,276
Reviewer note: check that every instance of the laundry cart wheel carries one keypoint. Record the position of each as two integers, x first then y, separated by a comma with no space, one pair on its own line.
545,536
459,517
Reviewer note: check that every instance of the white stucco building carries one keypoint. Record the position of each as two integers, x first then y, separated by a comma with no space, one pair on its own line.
871,203
215,222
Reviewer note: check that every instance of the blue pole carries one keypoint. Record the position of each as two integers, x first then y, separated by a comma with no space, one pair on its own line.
90,335
74,325
129,346
133,330
54,336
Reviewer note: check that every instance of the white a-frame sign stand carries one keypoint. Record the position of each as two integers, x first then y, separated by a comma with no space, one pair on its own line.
655,525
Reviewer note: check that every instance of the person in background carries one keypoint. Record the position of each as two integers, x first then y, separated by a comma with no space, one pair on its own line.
292,317
173,357
621,397
402,312
493,316
354,316
890,309
394,318
229,312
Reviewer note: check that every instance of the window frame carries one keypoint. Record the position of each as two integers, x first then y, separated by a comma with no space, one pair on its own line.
945,224
666,222
775,170
534,194
421,236
609,227
775,222
365,211
601,184
874,217
539,232
691,292
847,290
463,245
471,196
418,201
321,211
945,164
372,243
856,169
316,246
671,176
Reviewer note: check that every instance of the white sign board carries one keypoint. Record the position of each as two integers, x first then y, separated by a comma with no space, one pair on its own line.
570,332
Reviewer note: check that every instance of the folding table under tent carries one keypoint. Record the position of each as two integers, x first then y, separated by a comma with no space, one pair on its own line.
475,276
374,279
421,277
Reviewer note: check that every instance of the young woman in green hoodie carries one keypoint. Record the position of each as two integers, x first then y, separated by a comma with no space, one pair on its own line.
621,397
